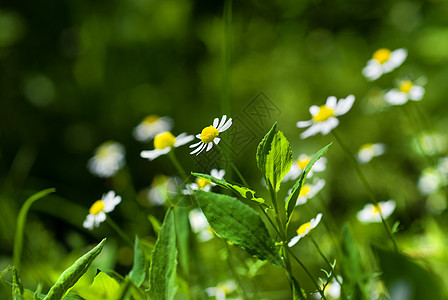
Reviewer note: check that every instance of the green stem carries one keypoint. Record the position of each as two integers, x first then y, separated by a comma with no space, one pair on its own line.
366,185
177,165
270,221
240,176
321,292
119,231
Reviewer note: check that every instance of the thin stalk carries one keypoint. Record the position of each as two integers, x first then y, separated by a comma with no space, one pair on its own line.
270,221
177,165
321,292
366,185
119,231
240,176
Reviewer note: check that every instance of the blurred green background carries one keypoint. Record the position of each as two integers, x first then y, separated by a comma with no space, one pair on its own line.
74,74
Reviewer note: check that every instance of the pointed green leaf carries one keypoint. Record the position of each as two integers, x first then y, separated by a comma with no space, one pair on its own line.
240,224
70,276
239,190
292,199
138,271
164,261
102,287
274,157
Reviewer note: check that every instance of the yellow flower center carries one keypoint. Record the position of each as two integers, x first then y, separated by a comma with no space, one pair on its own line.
306,188
163,140
302,229
102,152
302,163
202,183
96,207
406,86
366,146
376,209
151,119
208,134
324,114
382,55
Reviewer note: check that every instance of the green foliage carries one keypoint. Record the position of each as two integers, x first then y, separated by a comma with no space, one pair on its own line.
70,276
183,233
292,198
103,287
240,224
164,261
21,221
274,157
17,287
138,271
239,190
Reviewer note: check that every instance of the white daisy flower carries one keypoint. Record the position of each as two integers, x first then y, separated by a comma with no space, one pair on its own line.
308,191
324,117
164,142
200,225
209,135
222,290
98,210
368,151
108,159
304,229
151,126
407,90
204,184
300,164
371,213
384,61
431,180
162,188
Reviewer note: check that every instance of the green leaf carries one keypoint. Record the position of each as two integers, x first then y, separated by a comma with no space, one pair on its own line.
20,227
274,157
240,224
164,261
403,272
292,199
103,287
239,190
183,233
138,271
70,276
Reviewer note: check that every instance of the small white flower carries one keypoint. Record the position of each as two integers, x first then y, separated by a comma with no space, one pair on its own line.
308,191
304,229
407,90
200,225
164,142
384,61
162,188
324,117
151,126
368,151
108,159
431,180
209,135
300,164
204,184
98,210
371,213
222,290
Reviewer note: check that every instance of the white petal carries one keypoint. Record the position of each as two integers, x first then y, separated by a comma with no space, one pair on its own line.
183,139
314,222
331,102
99,218
223,120
153,154
416,93
395,97
198,149
216,140
226,125
303,124
89,223
215,122
373,70
313,130
344,105
209,147
198,136
293,173
314,110
329,125
195,144
294,241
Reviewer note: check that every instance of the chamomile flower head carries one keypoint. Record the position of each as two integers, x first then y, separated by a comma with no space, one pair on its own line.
151,126
164,142
209,135
324,117
222,290
405,91
108,159
200,225
304,229
431,180
300,164
98,210
204,184
383,61
161,189
368,151
309,190
371,213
